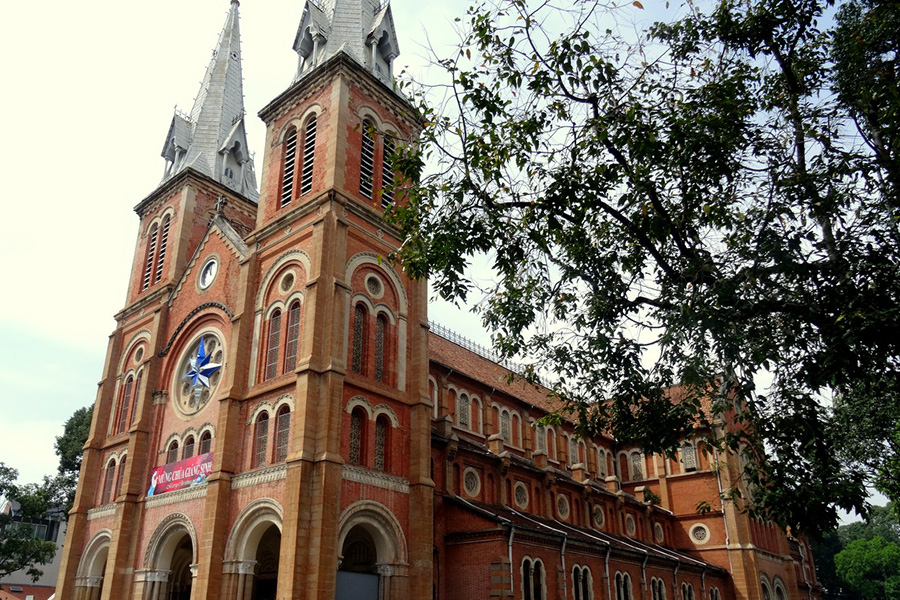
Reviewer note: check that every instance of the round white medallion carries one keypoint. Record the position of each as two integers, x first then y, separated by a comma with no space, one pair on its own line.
208,273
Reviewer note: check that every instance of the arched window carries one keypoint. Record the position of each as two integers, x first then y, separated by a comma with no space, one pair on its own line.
504,427
767,595
163,244
188,451
205,442
462,411
657,589
582,586
125,405
779,592
360,316
380,347
260,440
573,451
623,586
151,254
687,591
382,443
713,594
172,453
637,466
120,479
689,457
367,159
532,579
282,433
357,436
309,152
272,344
541,434
108,481
387,173
293,337
290,160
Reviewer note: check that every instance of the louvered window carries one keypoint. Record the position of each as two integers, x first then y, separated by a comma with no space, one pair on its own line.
293,337
290,158
282,433
367,160
125,405
260,440
309,154
387,173
163,243
380,328
272,345
121,477
205,442
108,482
151,254
381,434
188,448
359,330
172,454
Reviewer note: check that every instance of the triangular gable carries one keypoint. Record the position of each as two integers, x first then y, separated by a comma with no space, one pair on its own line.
384,22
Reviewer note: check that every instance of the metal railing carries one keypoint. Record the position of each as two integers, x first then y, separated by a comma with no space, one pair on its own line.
482,351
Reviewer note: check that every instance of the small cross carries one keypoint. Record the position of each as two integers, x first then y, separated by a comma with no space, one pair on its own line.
221,204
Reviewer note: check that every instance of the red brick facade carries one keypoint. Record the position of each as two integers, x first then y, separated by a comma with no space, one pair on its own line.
351,446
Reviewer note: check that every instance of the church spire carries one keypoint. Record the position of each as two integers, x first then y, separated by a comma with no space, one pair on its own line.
362,29
212,139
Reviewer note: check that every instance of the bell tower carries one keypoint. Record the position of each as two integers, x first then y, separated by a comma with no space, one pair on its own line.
358,493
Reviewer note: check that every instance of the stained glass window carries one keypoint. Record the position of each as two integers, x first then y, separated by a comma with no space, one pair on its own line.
272,344
637,466
380,327
689,457
282,433
293,337
108,483
359,330
462,410
356,427
504,427
261,440
381,431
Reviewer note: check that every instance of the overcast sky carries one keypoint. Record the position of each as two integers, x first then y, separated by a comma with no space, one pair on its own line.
88,96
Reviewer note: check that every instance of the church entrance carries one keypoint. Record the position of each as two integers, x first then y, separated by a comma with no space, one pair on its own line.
182,579
265,585
357,578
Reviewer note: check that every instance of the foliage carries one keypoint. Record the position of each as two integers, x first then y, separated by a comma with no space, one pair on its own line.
19,548
881,521
69,448
689,210
871,568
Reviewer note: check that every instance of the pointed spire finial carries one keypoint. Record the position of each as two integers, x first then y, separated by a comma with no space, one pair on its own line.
212,139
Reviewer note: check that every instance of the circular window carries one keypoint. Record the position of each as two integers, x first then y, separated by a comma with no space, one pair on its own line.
599,517
660,534
198,374
700,533
287,282
208,273
630,528
374,286
562,506
139,355
521,495
472,482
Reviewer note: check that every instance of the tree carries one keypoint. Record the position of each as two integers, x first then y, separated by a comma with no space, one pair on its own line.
871,567
70,448
19,548
700,207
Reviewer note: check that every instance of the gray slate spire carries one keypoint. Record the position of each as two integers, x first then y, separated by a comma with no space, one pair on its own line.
363,29
212,138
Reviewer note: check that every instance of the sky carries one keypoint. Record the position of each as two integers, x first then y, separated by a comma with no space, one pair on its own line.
89,93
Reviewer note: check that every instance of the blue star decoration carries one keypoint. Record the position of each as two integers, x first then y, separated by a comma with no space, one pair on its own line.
200,371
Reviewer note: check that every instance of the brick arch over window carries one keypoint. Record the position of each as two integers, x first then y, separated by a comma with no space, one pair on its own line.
250,526
382,525
362,338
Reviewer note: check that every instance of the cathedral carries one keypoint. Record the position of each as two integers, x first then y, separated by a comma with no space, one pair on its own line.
277,418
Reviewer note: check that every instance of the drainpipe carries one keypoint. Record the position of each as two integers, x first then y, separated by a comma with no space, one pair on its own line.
644,571
563,558
724,512
608,580
675,578
703,583
512,579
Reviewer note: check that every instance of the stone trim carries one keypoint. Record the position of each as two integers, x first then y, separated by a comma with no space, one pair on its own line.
375,479
191,493
107,510
268,475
